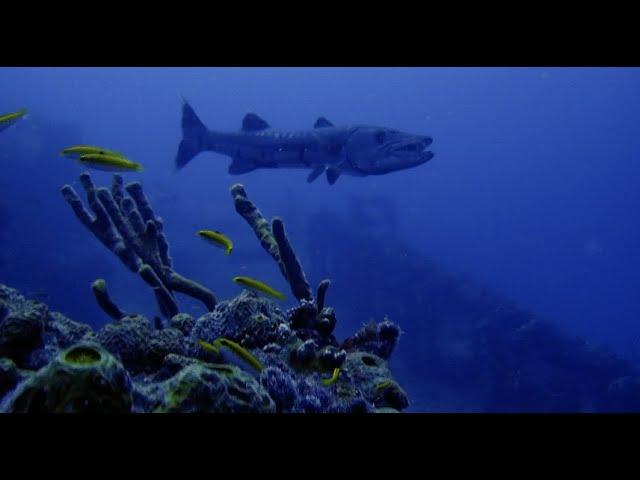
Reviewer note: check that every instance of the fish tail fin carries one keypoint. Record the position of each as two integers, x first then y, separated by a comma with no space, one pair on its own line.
194,136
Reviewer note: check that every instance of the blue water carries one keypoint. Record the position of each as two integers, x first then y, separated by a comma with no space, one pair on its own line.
532,194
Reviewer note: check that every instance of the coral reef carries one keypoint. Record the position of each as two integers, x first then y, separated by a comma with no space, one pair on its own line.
213,388
506,358
280,387
485,349
183,322
244,355
130,366
66,332
250,319
128,227
22,324
374,377
379,339
139,346
10,376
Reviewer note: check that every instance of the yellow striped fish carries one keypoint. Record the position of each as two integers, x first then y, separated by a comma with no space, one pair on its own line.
79,150
383,385
10,118
217,238
259,286
109,163
232,353
333,378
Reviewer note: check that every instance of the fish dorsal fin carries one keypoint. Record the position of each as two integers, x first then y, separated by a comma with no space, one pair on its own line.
332,174
252,123
322,123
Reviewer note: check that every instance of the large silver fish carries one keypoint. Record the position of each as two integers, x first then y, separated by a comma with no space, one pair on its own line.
359,150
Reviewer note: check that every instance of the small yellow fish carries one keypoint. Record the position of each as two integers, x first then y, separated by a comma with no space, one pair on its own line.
217,238
259,286
333,378
109,163
78,150
208,347
10,118
232,353
383,385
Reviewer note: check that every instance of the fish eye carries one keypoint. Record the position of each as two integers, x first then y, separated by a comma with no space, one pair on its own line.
380,137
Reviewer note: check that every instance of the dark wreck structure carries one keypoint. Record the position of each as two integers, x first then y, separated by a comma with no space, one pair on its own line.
465,348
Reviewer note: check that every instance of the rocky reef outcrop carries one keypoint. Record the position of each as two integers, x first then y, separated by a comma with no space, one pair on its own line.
244,354
50,363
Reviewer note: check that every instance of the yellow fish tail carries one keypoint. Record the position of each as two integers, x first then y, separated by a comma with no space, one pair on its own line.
334,377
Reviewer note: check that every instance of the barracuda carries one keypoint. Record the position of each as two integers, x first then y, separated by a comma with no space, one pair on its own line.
359,150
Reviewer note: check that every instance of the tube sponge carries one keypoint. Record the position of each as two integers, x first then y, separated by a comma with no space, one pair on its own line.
260,226
274,240
84,378
294,273
99,289
128,227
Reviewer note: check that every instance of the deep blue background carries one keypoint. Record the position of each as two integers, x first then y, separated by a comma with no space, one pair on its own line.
533,190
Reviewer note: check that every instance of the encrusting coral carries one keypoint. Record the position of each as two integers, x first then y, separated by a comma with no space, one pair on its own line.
22,326
244,355
377,338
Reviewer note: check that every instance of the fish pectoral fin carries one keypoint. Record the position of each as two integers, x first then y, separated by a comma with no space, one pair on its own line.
322,123
241,165
315,173
332,174
252,123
